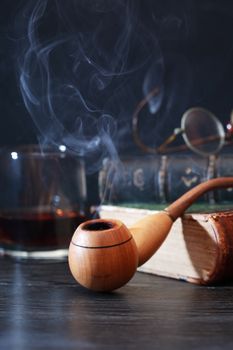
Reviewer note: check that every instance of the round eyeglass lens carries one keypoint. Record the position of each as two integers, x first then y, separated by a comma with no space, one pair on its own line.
203,132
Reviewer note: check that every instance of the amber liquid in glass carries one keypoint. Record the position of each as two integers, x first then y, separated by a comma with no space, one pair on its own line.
39,230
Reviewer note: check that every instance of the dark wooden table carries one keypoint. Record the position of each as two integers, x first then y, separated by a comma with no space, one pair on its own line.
41,307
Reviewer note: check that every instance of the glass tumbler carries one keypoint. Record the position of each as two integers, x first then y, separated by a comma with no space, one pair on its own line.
42,201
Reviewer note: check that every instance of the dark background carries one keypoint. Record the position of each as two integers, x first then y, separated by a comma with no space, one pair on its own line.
184,47
195,40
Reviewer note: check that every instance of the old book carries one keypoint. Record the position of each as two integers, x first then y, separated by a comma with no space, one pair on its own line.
162,179
198,249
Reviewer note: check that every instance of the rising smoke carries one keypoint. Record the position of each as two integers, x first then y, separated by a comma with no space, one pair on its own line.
84,65
79,64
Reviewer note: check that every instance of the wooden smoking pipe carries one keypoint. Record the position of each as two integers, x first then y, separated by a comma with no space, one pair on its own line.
104,254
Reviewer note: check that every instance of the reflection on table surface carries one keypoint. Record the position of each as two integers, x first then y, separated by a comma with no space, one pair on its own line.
41,307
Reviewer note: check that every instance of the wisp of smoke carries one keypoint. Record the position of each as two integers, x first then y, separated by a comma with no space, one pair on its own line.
81,64
74,65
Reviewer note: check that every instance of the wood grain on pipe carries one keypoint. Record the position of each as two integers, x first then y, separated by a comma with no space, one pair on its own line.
104,254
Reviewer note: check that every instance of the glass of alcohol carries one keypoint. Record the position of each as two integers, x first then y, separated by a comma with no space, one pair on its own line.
42,201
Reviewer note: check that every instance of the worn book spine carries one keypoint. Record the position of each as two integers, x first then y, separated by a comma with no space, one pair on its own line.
221,241
223,230
162,178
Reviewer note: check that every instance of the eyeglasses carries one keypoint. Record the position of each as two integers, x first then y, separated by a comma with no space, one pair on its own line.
202,131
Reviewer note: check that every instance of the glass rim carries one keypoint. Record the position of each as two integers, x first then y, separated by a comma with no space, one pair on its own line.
36,150
210,116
